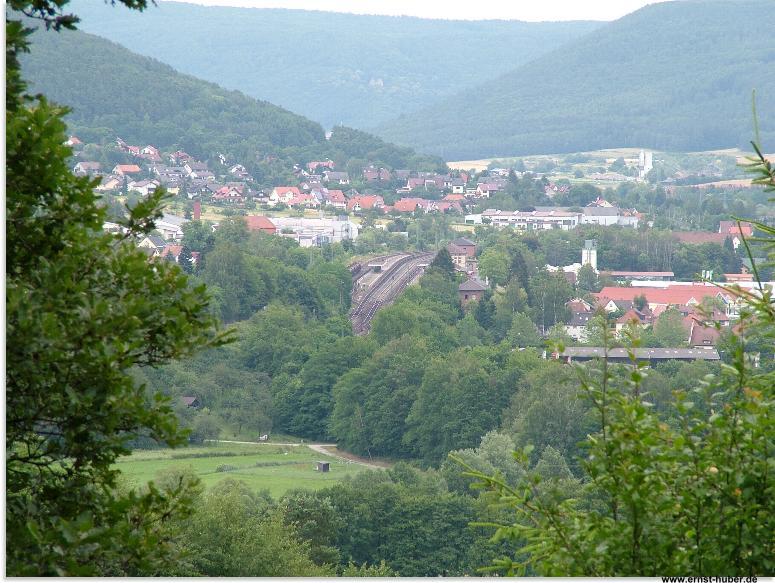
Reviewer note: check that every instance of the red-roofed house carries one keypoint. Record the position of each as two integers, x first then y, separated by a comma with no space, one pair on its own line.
371,174
579,305
283,194
179,158
443,206
738,277
703,336
630,317
312,166
126,169
454,198
150,153
305,200
409,205
84,168
699,237
171,250
229,194
680,295
485,190
261,224
337,199
412,183
365,202
731,228
144,187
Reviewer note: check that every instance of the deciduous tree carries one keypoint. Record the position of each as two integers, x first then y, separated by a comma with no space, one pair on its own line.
82,309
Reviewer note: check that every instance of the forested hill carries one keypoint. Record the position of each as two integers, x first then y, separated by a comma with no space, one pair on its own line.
671,76
357,70
114,92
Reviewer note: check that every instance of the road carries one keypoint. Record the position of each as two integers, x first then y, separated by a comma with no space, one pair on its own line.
384,290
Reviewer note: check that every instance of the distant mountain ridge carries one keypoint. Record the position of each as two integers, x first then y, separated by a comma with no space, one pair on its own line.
113,92
670,76
334,68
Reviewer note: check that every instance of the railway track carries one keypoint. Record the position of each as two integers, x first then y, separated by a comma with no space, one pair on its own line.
385,290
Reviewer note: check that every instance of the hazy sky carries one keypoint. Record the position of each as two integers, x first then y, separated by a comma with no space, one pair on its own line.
531,10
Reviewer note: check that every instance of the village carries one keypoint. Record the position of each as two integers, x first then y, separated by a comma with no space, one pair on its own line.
324,207
331,195
633,301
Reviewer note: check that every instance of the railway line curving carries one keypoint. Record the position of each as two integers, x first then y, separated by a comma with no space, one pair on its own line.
384,290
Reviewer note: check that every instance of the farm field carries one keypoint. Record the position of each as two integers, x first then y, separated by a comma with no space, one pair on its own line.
276,468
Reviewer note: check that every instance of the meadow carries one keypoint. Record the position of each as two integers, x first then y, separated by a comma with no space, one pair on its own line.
276,468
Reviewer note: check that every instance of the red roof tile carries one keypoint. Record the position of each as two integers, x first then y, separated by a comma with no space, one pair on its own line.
260,223
699,237
674,295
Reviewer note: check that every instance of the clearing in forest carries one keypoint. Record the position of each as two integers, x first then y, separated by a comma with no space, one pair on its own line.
277,468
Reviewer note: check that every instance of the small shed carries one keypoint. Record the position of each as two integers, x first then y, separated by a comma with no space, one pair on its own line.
190,401
323,466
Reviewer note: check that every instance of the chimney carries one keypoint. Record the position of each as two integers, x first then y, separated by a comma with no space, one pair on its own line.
197,210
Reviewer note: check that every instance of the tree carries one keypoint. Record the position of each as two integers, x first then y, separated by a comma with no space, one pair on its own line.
523,332
185,259
204,426
484,312
303,408
443,263
668,331
315,520
455,405
82,309
640,302
371,402
198,236
550,292
587,279
234,533
494,264
694,496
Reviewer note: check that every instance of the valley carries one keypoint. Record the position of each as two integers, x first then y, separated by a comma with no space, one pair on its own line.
313,294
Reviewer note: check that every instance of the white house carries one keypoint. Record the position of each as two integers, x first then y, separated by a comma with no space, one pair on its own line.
283,195
144,187
171,226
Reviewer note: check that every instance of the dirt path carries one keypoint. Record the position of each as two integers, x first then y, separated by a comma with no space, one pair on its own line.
331,451
254,442
327,449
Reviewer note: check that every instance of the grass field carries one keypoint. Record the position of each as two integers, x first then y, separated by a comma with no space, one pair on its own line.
272,467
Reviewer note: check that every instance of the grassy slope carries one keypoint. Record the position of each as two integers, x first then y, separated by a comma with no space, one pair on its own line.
280,468
671,76
334,68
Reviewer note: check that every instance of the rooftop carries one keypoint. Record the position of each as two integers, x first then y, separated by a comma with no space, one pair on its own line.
642,353
472,285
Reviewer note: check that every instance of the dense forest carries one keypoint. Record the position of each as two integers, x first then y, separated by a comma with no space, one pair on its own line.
380,394
336,69
650,79
114,93
430,380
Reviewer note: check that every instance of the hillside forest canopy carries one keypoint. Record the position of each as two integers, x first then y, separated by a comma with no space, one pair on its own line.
641,81
334,68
